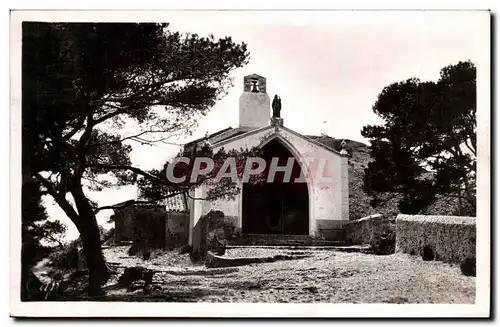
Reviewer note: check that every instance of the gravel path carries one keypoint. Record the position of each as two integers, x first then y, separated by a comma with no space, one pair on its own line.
325,276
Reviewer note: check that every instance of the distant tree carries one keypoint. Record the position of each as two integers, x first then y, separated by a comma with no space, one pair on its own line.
83,82
37,231
426,149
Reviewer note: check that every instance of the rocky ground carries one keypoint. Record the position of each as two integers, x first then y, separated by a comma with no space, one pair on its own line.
323,276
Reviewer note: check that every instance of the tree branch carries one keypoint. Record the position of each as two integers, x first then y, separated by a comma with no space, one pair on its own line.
128,203
469,147
60,200
79,126
195,198
147,89
102,183
131,168
45,233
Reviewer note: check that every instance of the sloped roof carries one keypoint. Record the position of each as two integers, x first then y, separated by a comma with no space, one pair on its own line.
308,138
209,136
255,76
176,203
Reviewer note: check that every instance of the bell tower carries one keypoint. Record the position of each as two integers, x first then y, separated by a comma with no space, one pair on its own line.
255,105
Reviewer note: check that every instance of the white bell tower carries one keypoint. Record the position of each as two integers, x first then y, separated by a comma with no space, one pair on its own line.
255,105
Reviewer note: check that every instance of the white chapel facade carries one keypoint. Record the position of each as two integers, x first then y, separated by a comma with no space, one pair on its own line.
317,207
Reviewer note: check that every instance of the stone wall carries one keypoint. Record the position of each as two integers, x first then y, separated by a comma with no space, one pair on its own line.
152,224
123,219
330,230
451,238
176,229
148,226
366,229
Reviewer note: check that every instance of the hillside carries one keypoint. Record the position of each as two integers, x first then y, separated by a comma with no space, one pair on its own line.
359,201
359,156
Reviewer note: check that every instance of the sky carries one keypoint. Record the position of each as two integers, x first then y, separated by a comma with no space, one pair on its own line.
328,68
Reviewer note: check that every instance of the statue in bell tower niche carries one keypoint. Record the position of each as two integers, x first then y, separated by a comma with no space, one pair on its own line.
276,105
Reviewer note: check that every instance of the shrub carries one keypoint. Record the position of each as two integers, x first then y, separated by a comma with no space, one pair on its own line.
106,235
215,244
210,233
186,249
196,256
383,243
468,266
146,254
427,253
133,274
133,249
69,257
148,227
142,250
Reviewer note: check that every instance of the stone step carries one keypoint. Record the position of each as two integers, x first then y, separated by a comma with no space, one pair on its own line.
284,240
341,248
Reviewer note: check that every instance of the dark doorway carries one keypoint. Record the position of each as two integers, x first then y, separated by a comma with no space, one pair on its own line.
280,207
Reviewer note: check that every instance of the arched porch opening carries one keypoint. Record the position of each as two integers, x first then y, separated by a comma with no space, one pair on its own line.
279,207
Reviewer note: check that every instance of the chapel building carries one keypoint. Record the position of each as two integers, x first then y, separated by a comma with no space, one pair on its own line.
317,207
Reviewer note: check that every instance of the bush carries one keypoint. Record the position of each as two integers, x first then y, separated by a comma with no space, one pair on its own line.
146,254
196,256
68,257
186,249
215,243
384,243
106,235
148,227
133,274
133,249
427,253
468,266
142,250
207,233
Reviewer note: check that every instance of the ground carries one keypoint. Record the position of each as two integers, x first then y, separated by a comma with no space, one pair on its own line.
324,276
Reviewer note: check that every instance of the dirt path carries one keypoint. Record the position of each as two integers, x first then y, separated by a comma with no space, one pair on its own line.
325,276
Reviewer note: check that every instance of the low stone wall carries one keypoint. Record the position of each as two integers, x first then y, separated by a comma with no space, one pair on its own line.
215,261
451,238
330,230
364,230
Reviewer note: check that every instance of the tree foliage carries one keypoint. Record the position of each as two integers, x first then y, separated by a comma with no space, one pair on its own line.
86,84
426,148
218,188
38,232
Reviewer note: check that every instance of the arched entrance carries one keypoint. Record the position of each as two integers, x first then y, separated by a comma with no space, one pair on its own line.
280,207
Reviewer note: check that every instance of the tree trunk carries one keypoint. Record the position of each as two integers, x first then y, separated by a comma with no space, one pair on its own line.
90,236
98,271
86,223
